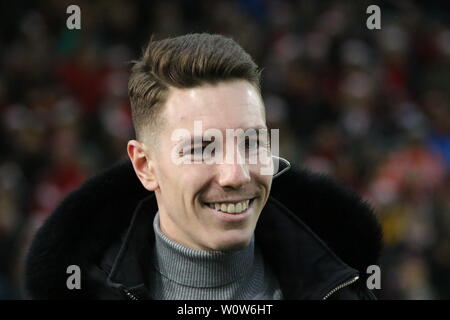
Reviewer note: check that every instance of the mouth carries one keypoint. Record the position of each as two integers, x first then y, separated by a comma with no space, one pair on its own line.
231,210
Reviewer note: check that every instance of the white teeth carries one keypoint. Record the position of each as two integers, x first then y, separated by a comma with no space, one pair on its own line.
231,207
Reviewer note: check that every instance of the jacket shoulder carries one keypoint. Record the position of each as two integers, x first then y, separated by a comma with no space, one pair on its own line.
345,222
79,231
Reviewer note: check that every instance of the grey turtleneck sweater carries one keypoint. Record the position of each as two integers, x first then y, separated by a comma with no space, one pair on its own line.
181,273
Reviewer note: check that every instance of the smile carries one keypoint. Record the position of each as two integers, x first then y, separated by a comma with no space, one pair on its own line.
235,208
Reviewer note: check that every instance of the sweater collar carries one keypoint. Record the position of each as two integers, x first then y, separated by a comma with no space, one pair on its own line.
199,268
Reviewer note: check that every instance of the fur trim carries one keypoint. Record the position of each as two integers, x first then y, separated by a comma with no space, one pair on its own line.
338,216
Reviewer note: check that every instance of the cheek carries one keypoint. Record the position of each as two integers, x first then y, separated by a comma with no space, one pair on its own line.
193,178
261,178
182,181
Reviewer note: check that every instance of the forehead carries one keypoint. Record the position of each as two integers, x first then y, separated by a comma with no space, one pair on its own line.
226,105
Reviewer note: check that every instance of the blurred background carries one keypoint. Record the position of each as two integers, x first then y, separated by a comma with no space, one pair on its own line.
369,107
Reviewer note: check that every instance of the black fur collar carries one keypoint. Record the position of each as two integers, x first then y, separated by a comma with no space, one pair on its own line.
92,217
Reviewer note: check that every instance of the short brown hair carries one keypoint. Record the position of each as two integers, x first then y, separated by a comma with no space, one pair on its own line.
183,62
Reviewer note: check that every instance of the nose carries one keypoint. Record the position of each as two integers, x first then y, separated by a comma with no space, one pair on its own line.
233,175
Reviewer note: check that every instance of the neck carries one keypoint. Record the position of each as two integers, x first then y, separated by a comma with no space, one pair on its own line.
198,268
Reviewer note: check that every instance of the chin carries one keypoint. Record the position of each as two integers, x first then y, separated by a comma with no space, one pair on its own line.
232,242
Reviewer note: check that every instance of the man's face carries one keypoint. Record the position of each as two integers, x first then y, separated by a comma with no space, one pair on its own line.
194,199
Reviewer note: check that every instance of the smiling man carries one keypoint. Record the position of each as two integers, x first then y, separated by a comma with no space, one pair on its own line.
173,224
187,194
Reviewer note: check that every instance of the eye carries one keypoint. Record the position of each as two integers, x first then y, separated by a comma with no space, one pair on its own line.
196,151
251,143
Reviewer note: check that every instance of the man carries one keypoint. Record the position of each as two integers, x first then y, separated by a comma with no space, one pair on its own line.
172,224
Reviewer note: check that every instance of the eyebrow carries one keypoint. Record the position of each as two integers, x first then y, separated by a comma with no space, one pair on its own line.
256,128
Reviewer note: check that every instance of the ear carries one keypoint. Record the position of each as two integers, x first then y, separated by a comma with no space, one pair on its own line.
142,164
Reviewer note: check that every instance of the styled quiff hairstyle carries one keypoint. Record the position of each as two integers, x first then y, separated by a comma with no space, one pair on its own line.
187,61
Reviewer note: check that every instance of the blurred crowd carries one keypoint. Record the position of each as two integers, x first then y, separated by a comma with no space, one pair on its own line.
369,107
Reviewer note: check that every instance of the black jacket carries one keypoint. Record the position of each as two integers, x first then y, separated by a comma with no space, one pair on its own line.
316,236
